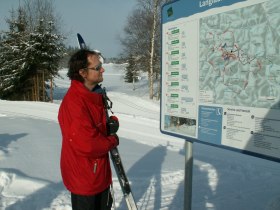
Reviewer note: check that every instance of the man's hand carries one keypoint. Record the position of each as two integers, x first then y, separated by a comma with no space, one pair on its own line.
112,125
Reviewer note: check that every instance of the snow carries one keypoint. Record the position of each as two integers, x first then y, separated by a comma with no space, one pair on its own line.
30,143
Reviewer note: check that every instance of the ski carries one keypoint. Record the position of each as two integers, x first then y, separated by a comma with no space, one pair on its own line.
83,45
114,153
117,162
81,41
124,183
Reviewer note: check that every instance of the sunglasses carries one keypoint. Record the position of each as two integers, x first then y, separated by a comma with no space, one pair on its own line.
96,68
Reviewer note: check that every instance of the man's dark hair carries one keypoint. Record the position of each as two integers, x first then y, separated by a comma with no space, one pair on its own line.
78,61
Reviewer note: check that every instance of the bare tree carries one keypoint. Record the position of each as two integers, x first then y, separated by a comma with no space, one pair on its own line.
40,10
142,38
152,50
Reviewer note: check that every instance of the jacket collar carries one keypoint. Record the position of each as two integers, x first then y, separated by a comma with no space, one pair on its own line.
87,95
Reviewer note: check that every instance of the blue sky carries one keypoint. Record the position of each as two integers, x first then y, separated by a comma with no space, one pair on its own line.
100,22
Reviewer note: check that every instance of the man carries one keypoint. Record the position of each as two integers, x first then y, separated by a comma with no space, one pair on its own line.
85,164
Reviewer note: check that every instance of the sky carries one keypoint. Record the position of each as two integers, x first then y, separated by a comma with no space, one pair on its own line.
100,22
30,143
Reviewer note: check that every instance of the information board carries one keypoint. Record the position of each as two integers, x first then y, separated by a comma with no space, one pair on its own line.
221,74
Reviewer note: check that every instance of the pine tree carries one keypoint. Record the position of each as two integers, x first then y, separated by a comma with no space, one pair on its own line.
12,65
130,70
44,53
29,58
132,74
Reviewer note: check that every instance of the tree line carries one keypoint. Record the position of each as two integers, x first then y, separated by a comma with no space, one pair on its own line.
33,50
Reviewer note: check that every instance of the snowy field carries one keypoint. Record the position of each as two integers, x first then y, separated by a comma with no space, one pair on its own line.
30,144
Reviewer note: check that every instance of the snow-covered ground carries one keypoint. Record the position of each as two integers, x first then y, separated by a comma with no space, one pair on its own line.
30,144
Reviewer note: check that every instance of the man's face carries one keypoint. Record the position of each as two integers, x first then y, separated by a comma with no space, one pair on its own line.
94,71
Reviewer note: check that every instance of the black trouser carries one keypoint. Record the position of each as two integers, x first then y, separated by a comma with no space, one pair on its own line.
101,201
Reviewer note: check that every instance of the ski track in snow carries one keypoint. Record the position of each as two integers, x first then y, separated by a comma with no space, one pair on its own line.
12,184
170,180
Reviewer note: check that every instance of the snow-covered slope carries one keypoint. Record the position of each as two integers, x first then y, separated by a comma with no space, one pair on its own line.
30,144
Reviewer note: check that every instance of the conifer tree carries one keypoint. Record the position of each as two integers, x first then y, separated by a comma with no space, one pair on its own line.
12,62
30,55
44,53
131,70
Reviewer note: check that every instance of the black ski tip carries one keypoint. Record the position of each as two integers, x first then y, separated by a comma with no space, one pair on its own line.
79,36
81,41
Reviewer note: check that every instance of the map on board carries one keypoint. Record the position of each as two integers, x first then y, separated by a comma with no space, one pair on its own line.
239,58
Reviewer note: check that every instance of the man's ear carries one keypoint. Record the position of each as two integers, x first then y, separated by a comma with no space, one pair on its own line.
83,73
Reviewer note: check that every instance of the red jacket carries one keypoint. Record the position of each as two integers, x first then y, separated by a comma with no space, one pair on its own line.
85,164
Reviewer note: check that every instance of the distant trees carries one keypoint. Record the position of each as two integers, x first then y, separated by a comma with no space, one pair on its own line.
132,72
141,41
30,52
